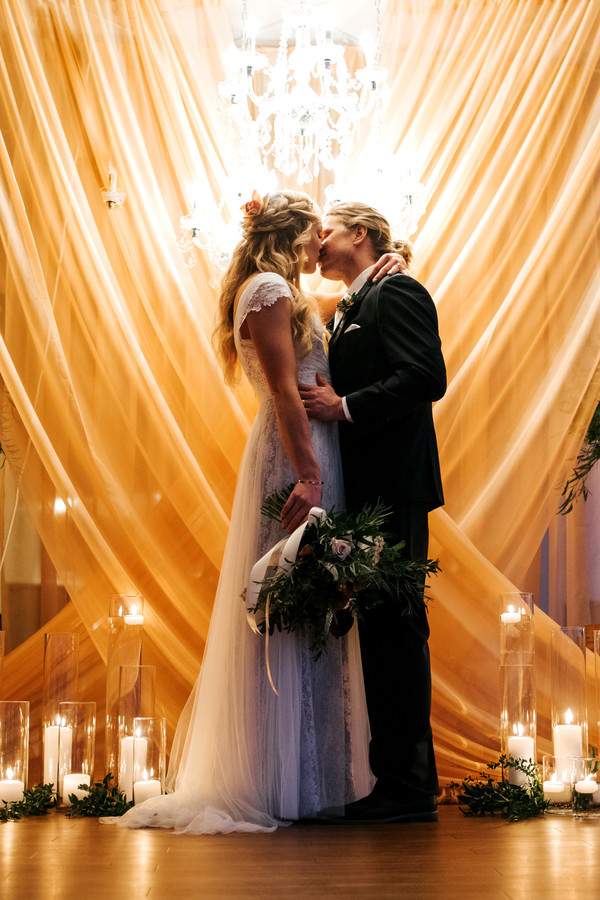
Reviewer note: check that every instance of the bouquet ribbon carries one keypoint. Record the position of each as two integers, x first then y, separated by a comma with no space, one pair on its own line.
283,556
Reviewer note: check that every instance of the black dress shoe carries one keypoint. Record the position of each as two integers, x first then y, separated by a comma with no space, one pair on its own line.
383,811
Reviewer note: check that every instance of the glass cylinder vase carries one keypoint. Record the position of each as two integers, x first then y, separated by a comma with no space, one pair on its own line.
150,757
586,788
136,700
558,778
125,630
59,685
594,705
517,681
14,749
77,747
568,692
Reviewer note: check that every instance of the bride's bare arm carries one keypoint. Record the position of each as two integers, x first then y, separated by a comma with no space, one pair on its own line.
271,335
388,264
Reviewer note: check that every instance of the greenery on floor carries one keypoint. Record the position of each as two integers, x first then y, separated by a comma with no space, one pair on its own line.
100,799
37,801
485,796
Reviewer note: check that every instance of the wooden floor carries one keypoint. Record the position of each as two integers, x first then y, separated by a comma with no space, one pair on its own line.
548,857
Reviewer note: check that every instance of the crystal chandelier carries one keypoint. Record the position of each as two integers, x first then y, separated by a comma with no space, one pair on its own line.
388,183
310,108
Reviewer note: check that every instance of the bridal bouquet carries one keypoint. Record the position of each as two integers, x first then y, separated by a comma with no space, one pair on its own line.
334,562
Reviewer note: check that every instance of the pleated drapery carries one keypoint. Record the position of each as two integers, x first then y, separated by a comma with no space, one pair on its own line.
116,424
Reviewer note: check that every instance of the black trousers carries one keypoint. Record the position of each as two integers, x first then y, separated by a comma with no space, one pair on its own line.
395,657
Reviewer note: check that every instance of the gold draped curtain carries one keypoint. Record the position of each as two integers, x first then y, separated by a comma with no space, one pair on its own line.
117,427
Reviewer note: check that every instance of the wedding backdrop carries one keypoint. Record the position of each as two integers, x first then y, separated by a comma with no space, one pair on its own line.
123,440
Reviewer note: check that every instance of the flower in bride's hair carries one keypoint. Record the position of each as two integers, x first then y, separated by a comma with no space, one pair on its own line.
255,206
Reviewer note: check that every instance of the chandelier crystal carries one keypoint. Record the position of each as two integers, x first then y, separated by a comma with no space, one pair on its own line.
305,110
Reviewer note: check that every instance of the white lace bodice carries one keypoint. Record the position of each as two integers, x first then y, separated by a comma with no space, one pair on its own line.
263,291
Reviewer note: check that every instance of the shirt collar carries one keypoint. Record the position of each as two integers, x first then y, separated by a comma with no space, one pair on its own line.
359,281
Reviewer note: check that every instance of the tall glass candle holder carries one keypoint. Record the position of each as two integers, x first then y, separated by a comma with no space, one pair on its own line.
594,706
14,749
150,757
568,687
77,746
125,630
61,666
136,700
517,681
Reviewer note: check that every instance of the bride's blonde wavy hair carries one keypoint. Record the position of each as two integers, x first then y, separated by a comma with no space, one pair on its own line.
273,241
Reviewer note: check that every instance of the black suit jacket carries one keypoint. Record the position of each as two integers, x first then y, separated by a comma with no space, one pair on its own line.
386,359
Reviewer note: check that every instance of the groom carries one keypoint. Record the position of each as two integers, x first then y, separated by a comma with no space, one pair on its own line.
386,368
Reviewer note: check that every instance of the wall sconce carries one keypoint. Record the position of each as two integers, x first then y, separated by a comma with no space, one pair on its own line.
112,195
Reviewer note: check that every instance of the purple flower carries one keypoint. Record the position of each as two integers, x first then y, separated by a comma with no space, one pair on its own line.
341,548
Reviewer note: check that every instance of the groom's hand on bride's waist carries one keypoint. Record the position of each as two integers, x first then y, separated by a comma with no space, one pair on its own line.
321,401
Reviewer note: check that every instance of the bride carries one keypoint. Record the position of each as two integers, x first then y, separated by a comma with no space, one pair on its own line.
244,757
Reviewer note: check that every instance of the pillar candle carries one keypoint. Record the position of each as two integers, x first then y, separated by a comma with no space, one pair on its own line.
65,749
143,790
127,764
11,789
520,748
71,784
51,733
568,740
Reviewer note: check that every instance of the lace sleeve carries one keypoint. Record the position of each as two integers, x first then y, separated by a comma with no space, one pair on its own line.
263,290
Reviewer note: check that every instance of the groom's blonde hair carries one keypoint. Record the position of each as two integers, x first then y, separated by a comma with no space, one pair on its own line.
378,228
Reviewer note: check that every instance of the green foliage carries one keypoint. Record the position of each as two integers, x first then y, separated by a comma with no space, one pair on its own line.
484,796
37,801
586,460
100,799
342,561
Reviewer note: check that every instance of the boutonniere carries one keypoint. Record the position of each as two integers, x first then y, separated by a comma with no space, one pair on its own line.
346,302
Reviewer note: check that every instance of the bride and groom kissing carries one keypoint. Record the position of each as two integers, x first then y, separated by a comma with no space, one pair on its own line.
347,738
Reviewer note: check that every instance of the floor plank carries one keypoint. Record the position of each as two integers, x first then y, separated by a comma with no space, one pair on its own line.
75,859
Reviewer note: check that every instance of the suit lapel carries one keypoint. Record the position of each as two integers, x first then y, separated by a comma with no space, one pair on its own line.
350,314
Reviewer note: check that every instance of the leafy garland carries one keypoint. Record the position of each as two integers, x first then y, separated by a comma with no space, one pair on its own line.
100,799
37,801
586,460
344,563
485,796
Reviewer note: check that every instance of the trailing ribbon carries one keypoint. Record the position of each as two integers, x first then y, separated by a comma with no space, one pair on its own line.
281,556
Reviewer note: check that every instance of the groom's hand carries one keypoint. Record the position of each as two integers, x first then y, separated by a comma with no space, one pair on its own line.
321,401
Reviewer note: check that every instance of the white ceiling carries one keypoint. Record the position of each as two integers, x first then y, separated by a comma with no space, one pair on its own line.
348,18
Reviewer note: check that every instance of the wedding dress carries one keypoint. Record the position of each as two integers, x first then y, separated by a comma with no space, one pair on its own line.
245,758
